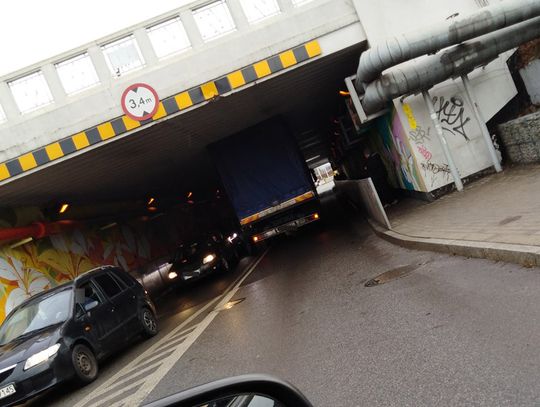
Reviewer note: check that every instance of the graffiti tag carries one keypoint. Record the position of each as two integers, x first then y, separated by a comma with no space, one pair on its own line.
420,136
437,170
425,152
451,114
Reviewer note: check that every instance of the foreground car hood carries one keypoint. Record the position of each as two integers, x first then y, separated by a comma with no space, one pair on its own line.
21,349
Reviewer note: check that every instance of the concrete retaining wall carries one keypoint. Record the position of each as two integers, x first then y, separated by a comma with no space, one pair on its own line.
521,138
362,194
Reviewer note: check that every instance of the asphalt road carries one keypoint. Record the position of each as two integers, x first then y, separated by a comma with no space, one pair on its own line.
453,331
174,308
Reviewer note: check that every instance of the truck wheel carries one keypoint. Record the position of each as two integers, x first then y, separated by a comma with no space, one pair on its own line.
84,363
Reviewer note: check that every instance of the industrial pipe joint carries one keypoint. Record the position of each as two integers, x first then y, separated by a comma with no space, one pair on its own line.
404,47
426,72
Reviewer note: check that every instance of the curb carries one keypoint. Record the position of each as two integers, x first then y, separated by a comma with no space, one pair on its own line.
527,256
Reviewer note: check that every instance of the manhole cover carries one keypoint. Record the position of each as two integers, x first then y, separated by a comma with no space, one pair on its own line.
231,304
391,275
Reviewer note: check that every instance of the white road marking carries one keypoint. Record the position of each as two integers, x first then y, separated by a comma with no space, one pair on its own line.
151,382
132,367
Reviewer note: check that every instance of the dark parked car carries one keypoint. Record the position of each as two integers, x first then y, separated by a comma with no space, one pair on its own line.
194,260
61,334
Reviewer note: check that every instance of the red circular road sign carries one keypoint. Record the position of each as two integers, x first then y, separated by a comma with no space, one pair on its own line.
140,101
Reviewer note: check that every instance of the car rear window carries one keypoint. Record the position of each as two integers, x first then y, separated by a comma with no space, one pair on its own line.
124,277
108,285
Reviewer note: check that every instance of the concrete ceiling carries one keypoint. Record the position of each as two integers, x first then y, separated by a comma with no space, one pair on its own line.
170,156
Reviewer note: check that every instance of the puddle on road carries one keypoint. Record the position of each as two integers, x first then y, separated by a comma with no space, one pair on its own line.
231,304
390,275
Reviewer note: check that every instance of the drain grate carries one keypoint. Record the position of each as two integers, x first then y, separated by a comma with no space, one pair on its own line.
390,275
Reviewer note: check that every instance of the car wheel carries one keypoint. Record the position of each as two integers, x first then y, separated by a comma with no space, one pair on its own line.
149,323
84,363
225,264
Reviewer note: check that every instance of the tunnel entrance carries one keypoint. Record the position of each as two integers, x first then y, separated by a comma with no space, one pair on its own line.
132,202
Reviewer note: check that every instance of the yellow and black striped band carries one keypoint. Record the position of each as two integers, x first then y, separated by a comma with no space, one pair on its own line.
167,106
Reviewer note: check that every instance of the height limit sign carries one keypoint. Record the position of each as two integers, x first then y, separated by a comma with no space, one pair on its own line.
140,102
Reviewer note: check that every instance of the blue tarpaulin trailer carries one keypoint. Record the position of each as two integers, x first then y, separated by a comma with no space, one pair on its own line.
266,179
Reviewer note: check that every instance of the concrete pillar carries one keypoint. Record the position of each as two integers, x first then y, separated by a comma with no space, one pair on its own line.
238,15
55,85
8,102
100,65
285,5
147,50
191,28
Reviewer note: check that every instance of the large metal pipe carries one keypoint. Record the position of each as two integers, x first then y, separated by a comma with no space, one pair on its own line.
36,230
426,72
405,47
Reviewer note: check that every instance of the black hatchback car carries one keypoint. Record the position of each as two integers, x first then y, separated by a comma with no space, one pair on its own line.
61,334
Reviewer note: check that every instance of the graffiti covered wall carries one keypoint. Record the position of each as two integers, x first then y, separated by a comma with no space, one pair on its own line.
461,131
459,123
390,140
406,137
406,140
48,262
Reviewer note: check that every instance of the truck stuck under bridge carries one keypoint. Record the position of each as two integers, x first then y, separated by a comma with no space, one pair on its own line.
267,180
126,200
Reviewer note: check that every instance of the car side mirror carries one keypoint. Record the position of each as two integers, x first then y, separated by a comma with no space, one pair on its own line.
91,305
248,391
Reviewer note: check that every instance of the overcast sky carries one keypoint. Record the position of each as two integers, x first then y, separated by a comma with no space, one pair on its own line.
33,30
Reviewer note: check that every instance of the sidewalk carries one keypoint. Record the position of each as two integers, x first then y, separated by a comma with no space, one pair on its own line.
498,212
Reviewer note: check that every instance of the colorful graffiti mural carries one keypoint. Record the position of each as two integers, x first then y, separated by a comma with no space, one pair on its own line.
461,131
392,143
45,263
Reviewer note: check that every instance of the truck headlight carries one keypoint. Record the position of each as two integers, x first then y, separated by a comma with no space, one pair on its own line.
41,357
208,259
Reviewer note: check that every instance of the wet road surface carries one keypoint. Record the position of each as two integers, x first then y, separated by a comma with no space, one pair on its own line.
174,308
448,331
